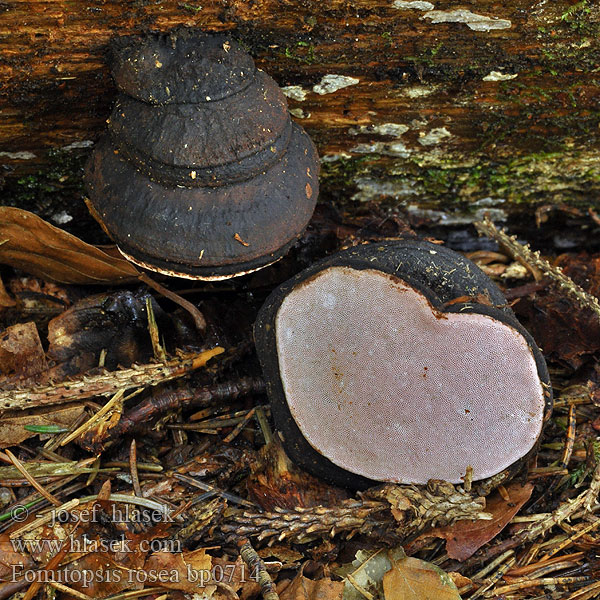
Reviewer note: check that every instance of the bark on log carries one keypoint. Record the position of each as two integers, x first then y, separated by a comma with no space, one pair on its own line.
452,109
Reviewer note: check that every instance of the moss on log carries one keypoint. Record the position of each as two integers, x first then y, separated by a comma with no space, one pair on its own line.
439,111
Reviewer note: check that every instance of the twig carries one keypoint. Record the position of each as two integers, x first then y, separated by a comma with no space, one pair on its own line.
94,418
172,399
213,490
21,468
157,349
135,480
134,594
201,416
256,565
553,581
494,578
491,566
34,498
543,568
45,518
586,593
261,417
571,539
152,505
106,383
198,317
69,591
305,524
570,437
54,442
533,258
95,470
235,432
591,496
390,513
209,424
12,587
142,466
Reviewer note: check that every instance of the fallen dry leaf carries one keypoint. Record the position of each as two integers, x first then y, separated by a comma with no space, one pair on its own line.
464,538
29,243
459,580
186,571
12,425
415,579
366,572
5,298
583,269
10,557
99,575
21,353
565,332
303,588
234,574
282,553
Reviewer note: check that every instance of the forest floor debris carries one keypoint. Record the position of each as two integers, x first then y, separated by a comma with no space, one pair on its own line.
139,459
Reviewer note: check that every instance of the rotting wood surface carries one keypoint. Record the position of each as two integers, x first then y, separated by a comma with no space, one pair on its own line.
482,106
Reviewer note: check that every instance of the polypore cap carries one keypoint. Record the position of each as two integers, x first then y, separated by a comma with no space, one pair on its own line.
202,174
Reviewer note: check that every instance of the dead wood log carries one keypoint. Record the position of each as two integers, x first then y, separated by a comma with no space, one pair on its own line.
452,108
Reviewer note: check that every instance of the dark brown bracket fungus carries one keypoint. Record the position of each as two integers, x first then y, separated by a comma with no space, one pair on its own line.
401,362
202,174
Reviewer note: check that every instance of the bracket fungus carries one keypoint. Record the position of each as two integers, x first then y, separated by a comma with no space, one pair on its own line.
401,362
202,174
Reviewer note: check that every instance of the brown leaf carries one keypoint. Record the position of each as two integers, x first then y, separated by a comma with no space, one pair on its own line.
564,330
12,424
282,553
10,558
5,298
459,579
464,538
234,574
415,579
583,269
29,243
101,574
186,571
104,493
303,588
21,353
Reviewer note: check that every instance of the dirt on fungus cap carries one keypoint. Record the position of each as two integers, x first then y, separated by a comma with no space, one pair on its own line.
202,174
374,374
182,67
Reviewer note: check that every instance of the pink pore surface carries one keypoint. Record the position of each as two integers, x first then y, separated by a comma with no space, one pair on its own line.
385,386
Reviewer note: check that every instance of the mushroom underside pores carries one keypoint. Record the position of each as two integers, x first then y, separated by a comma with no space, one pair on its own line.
401,362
